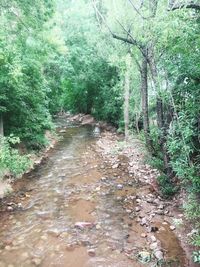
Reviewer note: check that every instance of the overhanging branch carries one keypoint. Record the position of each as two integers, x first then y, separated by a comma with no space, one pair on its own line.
191,4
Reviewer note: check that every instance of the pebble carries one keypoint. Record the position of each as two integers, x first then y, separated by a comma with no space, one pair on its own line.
119,186
128,211
98,226
91,252
172,227
159,254
37,261
137,209
44,237
154,246
153,238
9,208
143,235
143,222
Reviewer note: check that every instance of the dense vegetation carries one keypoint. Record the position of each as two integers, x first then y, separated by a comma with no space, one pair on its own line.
84,56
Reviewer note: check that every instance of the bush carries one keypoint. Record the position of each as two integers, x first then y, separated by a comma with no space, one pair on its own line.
10,159
168,189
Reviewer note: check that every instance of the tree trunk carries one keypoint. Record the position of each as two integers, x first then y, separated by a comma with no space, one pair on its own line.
145,105
127,97
160,116
1,126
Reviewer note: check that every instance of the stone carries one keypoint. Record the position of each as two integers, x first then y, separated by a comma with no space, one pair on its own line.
82,225
137,209
154,246
143,222
115,166
128,211
44,237
172,227
91,252
159,254
119,186
143,235
98,226
9,208
37,261
153,238
159,212
161,207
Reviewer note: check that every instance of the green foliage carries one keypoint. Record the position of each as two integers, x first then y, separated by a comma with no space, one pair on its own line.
10,159
168,189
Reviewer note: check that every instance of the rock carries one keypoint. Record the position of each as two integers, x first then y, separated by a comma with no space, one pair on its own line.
156,201
159,212
172,227
138,200
159,254
119,186
91,252
82,225
115,166
143,222
149,200
54,232
37,261
9,208
44,237
154,246
98,188
143,235
153,238
98,226
128,211
137,209
161,207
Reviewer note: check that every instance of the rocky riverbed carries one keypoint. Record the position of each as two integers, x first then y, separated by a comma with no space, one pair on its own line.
92,203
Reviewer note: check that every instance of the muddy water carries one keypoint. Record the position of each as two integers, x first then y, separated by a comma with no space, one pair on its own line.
70,214
64,191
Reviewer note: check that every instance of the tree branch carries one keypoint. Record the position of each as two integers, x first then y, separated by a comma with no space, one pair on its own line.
175,6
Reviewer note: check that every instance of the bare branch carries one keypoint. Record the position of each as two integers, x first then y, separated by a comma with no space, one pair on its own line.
193,5
130,1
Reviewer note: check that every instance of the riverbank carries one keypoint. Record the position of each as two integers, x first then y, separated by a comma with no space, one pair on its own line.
164,217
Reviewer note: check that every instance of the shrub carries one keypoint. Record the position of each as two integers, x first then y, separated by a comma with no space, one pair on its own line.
10,159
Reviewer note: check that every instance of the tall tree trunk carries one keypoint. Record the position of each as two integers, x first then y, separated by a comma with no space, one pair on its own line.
160,115
145,105
1,126
127,97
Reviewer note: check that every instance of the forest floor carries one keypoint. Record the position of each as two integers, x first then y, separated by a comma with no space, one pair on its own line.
94,203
